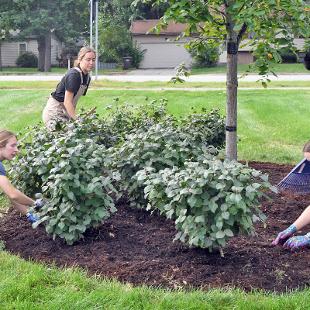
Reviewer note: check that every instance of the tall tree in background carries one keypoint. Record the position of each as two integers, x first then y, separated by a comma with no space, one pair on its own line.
270,25
122,12
67,19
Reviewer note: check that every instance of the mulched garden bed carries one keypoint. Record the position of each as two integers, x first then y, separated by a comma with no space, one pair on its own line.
136,247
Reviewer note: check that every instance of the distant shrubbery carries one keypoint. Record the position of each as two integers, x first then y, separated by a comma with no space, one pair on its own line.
116,43
288,56
204,54
27,60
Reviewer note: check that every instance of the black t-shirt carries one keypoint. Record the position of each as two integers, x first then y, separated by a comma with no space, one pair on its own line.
72,82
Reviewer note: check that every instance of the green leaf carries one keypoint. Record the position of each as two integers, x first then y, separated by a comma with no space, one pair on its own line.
199,219
220,234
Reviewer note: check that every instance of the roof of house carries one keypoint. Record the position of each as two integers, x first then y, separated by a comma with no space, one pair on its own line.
140,27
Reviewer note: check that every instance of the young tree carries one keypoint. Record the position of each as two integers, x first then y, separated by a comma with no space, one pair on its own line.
269,25
66,18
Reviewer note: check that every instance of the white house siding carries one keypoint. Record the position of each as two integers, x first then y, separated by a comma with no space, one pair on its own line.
163,52
56,47
10,51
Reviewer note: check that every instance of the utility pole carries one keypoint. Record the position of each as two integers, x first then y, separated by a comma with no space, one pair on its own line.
91,23
96,39
93,16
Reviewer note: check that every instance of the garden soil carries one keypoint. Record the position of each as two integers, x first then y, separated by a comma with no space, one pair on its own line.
136,247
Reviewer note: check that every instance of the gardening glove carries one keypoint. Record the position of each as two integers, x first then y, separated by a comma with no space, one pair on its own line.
297,242
32,218
285,234
39,203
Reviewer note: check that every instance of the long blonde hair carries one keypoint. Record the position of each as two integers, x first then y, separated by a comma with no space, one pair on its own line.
83,51
306,147
5,135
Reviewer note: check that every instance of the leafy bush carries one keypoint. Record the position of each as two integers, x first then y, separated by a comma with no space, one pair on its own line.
110,131
69,166
78,188
27,60
78,165
116,43
204,54
205,127
288,56
210,200
123,119
169,144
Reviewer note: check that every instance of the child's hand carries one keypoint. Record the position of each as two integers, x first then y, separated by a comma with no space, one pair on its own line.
283,235
297,242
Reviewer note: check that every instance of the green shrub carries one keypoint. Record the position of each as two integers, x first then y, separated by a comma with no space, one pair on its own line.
27,60
69,167
116,43
209,200
78,165
204,54
79,190
288,56
168,144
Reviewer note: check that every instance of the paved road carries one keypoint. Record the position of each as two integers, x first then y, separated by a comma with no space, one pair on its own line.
156,75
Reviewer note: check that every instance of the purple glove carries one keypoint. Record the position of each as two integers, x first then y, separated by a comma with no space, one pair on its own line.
39,203
297,242
285,234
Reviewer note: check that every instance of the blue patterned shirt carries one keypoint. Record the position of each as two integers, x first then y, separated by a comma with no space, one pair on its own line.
2,169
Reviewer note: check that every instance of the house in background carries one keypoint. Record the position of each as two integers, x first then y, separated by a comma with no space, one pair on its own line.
10,50
161,50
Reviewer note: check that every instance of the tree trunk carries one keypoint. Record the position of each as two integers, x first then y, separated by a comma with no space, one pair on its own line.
231,89
231,106
47,62
41,49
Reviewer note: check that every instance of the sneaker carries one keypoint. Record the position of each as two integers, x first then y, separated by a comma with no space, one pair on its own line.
32,218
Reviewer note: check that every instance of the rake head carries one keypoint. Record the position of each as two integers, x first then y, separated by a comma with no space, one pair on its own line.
298,180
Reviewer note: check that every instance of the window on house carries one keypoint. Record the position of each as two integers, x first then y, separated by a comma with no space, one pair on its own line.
22,48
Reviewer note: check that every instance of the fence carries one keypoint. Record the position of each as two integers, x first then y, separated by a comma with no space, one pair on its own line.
106,65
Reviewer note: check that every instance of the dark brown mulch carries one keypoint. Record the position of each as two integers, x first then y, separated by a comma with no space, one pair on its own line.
135,247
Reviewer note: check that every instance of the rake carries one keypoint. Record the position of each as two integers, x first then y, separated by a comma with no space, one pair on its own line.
298,180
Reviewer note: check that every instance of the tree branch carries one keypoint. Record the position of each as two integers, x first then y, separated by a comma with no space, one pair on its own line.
241,33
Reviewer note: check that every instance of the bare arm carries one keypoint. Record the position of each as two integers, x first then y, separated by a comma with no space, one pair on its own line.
13,193
68,103
303,219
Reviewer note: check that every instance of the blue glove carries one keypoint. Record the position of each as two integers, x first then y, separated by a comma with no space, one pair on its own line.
297,242
32,218
285,234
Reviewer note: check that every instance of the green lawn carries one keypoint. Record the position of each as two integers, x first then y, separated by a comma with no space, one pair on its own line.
272,127
28,285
